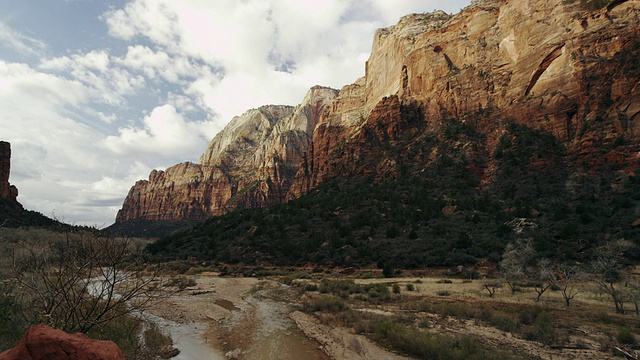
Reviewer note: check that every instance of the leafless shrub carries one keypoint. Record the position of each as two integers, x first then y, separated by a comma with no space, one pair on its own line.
79,281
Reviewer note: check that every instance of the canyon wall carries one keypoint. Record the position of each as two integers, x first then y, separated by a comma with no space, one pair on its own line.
7,191
250,163
563,67
551,65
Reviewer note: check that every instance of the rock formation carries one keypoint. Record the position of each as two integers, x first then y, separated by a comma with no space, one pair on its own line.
564,67
7,191
250,163
552,65
41,342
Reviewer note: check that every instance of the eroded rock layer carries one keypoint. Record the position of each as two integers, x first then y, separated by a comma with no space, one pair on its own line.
557,66
7,191
567,68
250,163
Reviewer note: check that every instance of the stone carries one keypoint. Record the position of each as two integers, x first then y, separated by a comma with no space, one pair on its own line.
41,342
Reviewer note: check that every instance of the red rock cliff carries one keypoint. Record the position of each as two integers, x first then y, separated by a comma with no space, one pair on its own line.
7,191
552,65
250,163
555,65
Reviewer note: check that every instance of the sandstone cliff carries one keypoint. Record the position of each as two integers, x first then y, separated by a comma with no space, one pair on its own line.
250,163
567,68
7,191
558,66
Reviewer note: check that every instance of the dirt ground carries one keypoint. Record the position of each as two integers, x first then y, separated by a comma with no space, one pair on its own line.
250,318
585,341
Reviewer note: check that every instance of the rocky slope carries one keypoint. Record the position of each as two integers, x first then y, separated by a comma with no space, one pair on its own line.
12,213
250,163
567,68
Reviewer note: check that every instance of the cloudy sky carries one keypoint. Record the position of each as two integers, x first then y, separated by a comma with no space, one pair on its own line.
94,94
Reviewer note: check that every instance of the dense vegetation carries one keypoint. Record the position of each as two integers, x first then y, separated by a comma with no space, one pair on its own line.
147,228
435,209
13,215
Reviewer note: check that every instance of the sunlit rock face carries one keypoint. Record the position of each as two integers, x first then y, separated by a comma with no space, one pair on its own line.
556,66
250,163
563,67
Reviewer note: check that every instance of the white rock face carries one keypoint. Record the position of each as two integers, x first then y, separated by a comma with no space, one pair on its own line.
250,163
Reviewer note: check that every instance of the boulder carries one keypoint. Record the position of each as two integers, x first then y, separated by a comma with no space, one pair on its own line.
42,342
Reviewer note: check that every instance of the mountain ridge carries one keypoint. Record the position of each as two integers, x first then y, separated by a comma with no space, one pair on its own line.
553,66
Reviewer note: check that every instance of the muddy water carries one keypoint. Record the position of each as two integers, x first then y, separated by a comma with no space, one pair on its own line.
260,329
277,337
257,327
189,339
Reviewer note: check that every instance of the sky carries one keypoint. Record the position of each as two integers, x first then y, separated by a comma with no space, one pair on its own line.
94,94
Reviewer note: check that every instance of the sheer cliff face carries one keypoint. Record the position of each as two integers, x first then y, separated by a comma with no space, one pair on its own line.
549,64
250,163
7,191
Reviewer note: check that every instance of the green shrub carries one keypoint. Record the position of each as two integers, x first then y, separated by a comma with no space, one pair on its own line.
182,282
155,340
11,325
329,304
396,289
414,342
543,329
625,336
124,332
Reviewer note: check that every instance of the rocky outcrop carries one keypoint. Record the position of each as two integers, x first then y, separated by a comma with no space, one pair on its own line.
250,163
559,66
568,68
41,342
7,191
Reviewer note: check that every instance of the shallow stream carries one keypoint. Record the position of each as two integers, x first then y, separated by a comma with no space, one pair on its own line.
258,328
189,339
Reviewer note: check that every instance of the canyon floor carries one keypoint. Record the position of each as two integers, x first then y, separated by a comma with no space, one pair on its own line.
263,318
247,318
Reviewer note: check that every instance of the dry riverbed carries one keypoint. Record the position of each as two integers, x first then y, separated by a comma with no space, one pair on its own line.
252,318
249,318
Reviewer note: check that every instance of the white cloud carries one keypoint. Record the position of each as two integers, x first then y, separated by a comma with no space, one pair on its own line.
231,55
154,19
94,71
19,42
165,132
188,67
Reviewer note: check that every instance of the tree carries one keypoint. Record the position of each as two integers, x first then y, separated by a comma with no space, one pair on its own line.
542,276
515,260
491,286
606,267
78,282
567,281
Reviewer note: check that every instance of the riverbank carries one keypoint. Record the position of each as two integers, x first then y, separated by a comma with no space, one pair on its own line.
250,318
321,316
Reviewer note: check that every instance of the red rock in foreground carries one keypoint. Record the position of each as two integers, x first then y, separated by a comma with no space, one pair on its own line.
41,342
